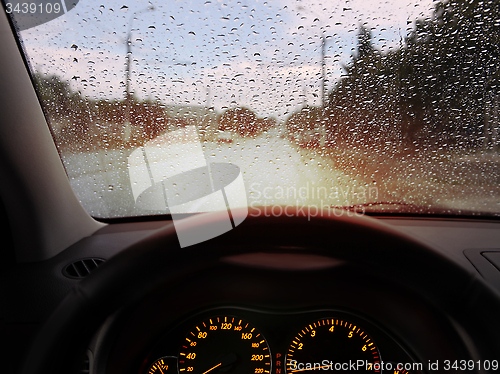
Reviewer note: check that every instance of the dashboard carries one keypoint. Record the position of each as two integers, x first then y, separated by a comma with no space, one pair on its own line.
297,313
278,286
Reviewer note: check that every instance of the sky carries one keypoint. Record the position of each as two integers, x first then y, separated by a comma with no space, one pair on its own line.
264,55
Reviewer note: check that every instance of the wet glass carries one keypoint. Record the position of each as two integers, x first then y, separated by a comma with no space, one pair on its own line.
388,106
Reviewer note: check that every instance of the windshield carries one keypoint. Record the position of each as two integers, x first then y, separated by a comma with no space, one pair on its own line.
385,106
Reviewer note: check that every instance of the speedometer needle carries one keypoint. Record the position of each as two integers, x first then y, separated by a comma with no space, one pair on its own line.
226,360
216,366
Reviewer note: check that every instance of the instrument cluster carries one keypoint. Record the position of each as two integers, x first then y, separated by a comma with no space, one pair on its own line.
249,341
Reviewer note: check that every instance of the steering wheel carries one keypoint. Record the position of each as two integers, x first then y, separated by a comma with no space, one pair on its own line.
157,260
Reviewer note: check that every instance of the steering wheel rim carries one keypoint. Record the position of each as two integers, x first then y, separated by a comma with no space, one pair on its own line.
156,260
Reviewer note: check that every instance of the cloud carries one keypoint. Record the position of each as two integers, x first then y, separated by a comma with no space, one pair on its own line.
266,57
389,19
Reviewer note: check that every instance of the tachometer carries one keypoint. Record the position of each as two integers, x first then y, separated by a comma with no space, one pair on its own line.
332,345
225,344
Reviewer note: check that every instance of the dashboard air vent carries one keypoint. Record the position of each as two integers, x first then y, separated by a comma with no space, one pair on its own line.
82,268
85,368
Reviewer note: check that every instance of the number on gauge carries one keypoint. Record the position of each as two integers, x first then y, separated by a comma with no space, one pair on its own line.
224,344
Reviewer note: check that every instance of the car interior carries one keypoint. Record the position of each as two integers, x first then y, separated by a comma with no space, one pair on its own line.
386,285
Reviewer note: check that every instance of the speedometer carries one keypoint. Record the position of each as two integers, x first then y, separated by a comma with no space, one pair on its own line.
223,344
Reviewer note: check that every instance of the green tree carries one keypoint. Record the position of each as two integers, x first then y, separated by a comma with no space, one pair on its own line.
450,64
61,102
433,88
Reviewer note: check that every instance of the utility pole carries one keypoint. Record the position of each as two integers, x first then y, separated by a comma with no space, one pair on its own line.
127,129
322,128
208,97
323,72
128,95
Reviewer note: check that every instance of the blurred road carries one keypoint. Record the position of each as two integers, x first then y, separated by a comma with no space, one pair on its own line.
275,172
